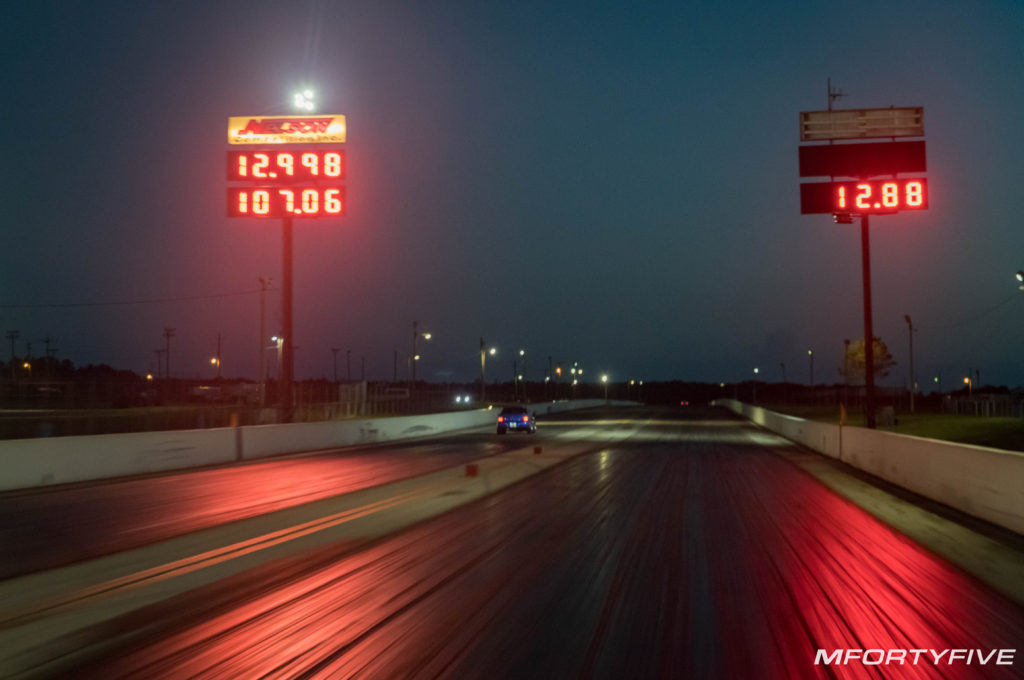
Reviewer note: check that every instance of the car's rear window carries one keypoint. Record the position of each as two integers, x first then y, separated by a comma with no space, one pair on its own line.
512,410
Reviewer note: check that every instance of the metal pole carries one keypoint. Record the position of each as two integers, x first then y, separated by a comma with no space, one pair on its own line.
483,380
869,332
415,332
168,334
515,380
287,400
913,386
263,338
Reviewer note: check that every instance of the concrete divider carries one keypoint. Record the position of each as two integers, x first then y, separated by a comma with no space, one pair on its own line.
983,482
26,463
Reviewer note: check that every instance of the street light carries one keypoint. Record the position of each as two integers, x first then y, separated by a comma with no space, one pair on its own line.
1020,279
416,335
604,379
215,361
484,351
756,371
810,356
970,386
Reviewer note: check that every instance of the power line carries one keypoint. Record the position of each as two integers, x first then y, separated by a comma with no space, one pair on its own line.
193,298
974,318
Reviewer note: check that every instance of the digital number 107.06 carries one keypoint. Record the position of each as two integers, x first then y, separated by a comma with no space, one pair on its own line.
280,202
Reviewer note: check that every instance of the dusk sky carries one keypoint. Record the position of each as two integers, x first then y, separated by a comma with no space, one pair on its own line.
613,183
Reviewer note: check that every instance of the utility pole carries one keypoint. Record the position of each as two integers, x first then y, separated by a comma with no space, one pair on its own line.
159,361
168,334
50,354
12,336
913,385
784,388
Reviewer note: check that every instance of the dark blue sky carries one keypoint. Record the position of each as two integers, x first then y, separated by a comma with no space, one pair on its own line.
607,182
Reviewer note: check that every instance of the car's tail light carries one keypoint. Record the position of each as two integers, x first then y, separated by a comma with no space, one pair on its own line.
501,419
526,419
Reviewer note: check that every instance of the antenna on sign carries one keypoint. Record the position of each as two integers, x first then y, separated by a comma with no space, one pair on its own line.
833,94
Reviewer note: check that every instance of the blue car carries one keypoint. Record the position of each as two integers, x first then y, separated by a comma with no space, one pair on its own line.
517,419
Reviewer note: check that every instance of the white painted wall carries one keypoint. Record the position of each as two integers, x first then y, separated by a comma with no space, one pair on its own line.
983,482
26,463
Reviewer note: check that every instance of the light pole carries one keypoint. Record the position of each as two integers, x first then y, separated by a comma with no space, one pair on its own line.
970,386
1020,279
913,384
810,356
522,356
483,368
604,379
756,371
279,344
416,334
215,361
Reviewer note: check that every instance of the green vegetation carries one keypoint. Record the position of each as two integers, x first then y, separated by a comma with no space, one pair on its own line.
999,433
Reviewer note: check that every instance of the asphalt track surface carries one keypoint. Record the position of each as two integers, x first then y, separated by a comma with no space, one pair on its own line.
64,525
688,550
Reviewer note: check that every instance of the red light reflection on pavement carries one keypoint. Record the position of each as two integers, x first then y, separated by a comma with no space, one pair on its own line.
656,560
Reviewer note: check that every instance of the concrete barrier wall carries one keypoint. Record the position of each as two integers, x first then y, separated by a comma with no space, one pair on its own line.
983,482
26,463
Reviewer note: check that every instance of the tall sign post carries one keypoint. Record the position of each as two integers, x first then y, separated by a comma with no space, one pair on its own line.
277,175
864,179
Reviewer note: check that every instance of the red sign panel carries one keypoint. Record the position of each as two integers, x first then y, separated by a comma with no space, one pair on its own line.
285,167
872,197
862,160
319,201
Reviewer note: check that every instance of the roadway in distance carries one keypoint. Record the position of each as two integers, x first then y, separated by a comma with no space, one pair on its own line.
689,549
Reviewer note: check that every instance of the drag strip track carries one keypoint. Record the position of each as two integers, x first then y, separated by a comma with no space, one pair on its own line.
691,550
64,525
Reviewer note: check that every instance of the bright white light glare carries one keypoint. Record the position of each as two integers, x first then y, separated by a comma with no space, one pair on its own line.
304,100
458,400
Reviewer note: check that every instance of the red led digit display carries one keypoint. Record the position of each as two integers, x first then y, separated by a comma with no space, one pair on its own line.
285,167
880,195
267,201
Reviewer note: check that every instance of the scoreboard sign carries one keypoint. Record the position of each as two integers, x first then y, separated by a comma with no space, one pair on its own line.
863,177
285,182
